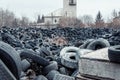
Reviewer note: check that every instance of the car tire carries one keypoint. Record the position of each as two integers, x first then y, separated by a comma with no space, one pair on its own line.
69,49
52,66
52,74
98,44
63,71
114,54
32,55
11,59
86,43
43,52
5,73
69,60
25,64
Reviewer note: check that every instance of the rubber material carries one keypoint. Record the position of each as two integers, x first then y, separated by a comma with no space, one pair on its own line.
11,59
75,73
67,54
32,55
69,49
25,64
50,58
52,74
63,71
52,66
98,44
44,51
69,60
86,43
114,54
5,73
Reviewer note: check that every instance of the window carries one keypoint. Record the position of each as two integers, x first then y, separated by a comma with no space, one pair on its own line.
72,2
55,20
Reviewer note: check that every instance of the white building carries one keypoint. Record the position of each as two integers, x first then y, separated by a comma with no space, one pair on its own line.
69,10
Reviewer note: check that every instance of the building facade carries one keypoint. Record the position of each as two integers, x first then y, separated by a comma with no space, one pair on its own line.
69,10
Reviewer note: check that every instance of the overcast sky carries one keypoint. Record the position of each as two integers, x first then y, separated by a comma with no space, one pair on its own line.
31,8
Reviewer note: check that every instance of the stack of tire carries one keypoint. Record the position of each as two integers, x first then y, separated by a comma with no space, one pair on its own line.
16,65
47,62
27,37
114,54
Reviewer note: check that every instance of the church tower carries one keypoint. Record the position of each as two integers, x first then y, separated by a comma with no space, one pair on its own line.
70,8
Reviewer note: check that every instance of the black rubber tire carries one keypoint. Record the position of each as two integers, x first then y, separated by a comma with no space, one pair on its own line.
44,52
58,60
114,54
86,43
63,71
40,77
75,73
11,59
98,44
69,49
7,37
11,40
23,74
78,44
25,64
50,58
52,74
52,66
32,55
5,73
69,60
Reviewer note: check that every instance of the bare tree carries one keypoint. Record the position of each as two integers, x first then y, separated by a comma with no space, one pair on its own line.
114,13
99,21
6,17
87,20
115,21
24,22
16,23
70,22
1,17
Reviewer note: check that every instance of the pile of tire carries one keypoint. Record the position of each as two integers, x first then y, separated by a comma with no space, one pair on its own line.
28,64
32,38
41,64
26,53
